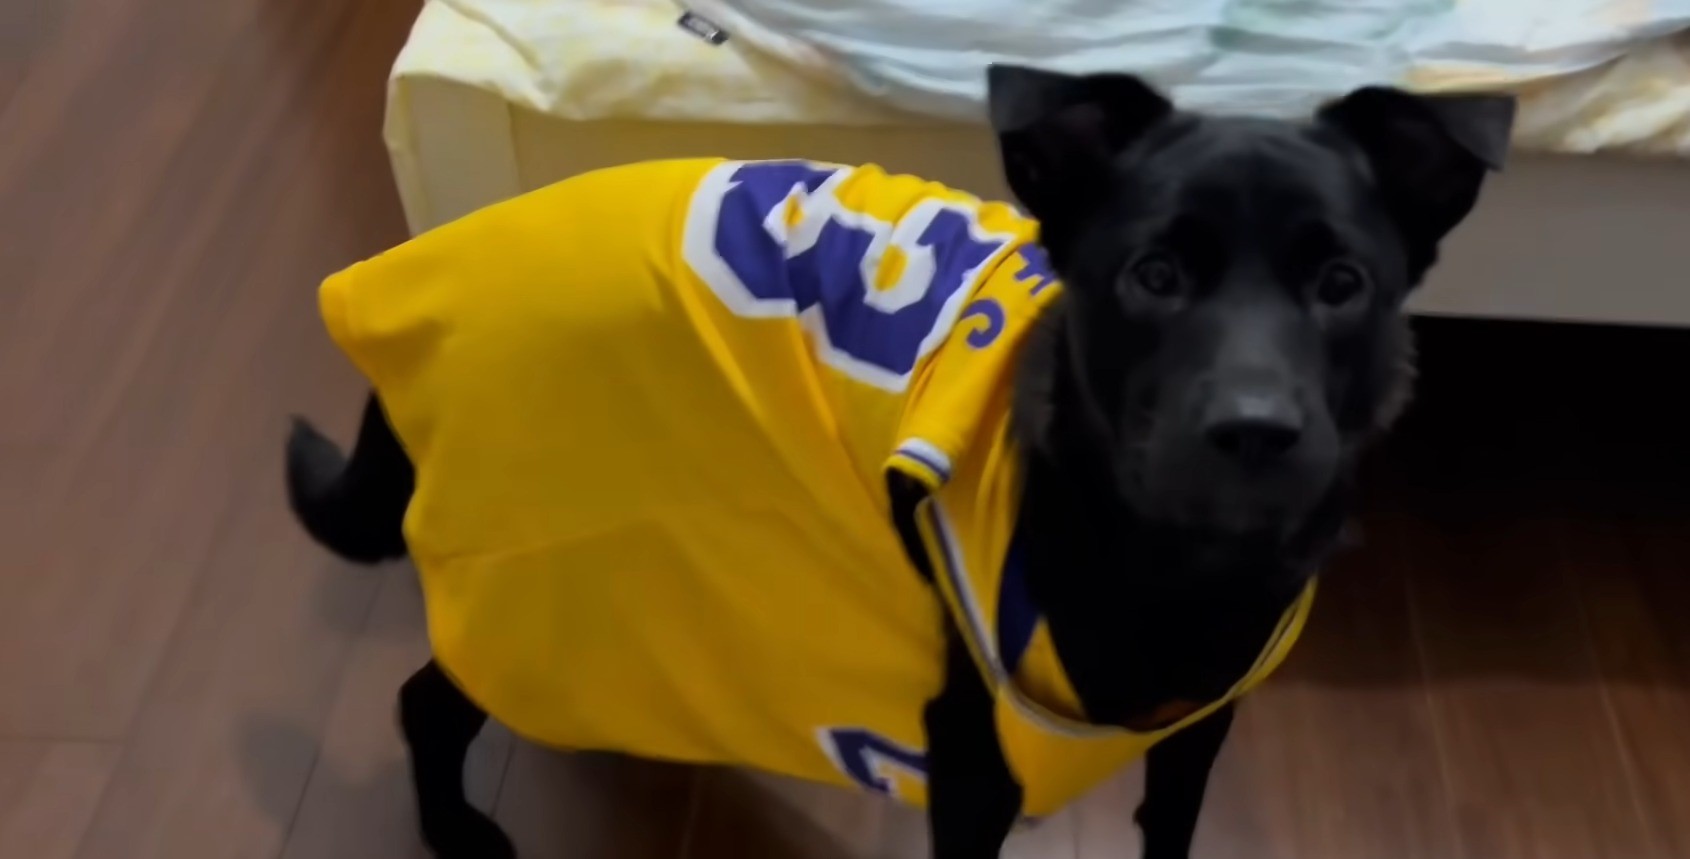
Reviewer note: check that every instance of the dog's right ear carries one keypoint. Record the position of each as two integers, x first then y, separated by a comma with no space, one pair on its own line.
1058,133
1429,155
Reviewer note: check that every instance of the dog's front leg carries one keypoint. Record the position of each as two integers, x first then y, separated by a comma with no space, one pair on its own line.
1176,773
972,799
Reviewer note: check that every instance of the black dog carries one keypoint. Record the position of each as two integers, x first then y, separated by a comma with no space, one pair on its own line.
1189,412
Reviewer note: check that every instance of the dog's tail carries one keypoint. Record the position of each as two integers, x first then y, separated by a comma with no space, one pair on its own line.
353,507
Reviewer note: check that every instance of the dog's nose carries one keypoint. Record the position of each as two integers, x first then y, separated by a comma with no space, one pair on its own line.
1253,428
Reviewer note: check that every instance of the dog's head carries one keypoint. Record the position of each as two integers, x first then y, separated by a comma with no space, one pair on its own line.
1234,324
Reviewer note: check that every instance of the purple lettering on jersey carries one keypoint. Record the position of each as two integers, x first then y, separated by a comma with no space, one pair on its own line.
1036,270
991,312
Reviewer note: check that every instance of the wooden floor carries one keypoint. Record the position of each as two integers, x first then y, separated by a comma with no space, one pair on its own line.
1502,671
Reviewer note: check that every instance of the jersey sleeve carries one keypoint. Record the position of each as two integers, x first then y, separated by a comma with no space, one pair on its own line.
961,399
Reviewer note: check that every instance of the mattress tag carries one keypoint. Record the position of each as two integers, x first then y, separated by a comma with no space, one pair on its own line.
701,27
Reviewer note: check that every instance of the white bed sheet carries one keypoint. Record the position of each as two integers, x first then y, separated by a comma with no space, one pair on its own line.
1264,57
629,59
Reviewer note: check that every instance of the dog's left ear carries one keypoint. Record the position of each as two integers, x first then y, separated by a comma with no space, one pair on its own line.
1058,133
1429,155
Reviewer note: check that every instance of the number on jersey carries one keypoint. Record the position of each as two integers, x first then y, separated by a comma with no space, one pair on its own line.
871,760
772,240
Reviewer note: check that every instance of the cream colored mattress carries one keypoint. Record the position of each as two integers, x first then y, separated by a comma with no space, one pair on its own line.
482,109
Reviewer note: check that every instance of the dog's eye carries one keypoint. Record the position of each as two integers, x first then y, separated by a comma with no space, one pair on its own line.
1156,275
1340,283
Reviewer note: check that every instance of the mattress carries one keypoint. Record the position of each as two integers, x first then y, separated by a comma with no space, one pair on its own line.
630,59
485,106
1263,57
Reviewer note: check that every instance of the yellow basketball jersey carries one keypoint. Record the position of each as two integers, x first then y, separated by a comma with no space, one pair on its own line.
652,410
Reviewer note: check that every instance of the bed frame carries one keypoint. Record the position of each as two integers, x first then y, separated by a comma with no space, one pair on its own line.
1558,238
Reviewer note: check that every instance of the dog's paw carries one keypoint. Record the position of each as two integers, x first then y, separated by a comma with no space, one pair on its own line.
1166,854
468,834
